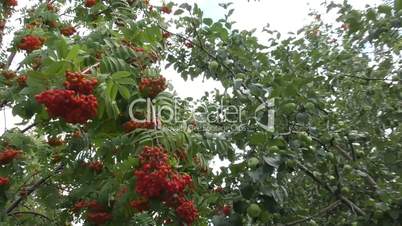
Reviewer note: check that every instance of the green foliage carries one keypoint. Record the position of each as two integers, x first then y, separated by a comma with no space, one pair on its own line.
333,157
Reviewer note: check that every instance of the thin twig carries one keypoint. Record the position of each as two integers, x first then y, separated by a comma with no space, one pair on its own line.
28,128
90,68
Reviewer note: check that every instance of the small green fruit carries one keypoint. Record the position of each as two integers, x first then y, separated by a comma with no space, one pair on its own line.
345,190
274,149
289,108
213,66
253,162
253,210
309,106
240,76
290,163
347,168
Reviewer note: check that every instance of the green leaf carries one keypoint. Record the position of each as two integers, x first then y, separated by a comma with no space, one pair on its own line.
120,74
258,138
178,12
124,92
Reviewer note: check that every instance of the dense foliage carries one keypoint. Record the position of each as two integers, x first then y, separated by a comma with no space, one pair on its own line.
333,158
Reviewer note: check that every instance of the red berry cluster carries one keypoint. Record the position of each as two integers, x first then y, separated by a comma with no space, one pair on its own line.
11,3
4,181
140,204
22,80
69,106
151,87
166,9
74,105
9,155
133,125
55,141
96,166
68,30
79,83
95,212
166,34
90,3
187,211
156,179
9,74
2,25
51,7
31,43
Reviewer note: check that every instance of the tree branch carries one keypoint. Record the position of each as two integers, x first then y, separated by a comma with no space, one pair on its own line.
320,212
28,127
31,213
31,189
342,198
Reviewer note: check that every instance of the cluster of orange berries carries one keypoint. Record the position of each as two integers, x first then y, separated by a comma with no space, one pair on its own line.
166,9
68,30
31,43
152,86
7,156
90,3
96,166
9,74
11,3
156,179
133,125
77,104
96,213
55,141
79,83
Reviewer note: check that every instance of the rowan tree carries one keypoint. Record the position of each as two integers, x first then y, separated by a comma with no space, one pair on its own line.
84,153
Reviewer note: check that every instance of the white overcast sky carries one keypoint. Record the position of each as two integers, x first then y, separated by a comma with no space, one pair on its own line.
282,15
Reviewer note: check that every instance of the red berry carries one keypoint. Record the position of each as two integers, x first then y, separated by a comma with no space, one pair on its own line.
8,155
96,166
227,209
4,181
166,9
189,44
55,141
90,3
9,74
11,3
166,35
68,31
22,80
